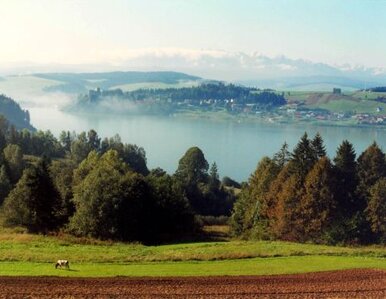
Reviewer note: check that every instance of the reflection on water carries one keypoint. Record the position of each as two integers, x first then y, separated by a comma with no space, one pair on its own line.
236,147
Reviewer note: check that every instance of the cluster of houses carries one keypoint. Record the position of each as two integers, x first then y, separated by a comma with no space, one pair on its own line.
371,119
291,111
325,115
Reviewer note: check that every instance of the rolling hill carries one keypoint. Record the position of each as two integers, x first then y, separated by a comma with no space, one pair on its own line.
22,87
78,83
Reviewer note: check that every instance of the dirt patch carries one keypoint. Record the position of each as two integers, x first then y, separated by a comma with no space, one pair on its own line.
323,98
337,284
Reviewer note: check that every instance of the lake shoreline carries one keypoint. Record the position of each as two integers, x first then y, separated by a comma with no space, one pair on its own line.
219,117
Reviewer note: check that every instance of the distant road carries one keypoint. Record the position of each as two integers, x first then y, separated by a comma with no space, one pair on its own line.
336,284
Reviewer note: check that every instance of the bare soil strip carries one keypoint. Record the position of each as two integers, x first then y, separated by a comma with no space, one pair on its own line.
336,284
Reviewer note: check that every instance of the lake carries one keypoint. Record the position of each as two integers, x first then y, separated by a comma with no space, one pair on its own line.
235,147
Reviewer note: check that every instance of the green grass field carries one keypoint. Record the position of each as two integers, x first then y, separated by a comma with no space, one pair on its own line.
350,101
344,105
26,254
255,266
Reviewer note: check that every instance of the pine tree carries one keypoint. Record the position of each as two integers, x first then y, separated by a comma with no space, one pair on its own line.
214,182
237,219
282,156
318,146
371,167
303,157
346,179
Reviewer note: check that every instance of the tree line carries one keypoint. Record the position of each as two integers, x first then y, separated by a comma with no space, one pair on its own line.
214,91
102,188
303,196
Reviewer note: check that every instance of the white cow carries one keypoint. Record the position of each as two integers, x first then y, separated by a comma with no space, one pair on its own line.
62,264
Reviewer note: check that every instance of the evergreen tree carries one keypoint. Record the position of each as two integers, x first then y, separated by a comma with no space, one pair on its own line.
371,167
346,179
34,202
282,156
376,210
303,157
214,182
349,211
318,147
237,219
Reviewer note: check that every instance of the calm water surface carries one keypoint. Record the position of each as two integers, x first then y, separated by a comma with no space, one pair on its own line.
235,147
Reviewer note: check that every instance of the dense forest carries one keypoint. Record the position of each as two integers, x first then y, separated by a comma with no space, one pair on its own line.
12,111
102,188
205,96
303,196
89,186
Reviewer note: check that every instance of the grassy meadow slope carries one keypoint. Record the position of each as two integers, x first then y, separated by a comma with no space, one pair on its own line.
26,254
351,101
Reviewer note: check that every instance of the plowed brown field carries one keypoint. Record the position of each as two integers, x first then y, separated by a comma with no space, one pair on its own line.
338,284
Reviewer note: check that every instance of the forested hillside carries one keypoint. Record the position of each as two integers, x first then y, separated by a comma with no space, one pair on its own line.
208,96
12,111
303,196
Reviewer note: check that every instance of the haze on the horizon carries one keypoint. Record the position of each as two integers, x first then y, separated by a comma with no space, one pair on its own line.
113,35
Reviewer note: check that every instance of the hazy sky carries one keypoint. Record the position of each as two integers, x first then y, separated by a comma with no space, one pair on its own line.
107,31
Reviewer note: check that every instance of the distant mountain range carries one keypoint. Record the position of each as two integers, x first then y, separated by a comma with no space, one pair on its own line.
251,69
313,83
